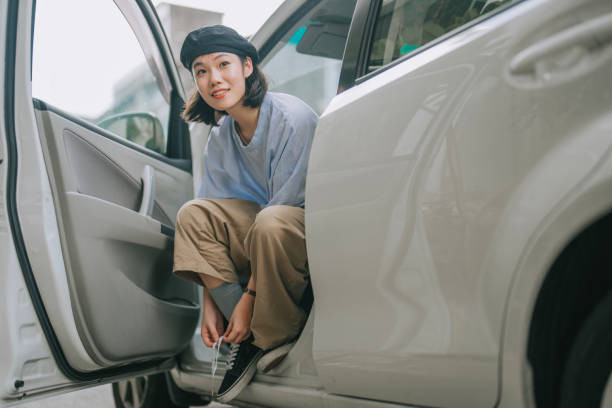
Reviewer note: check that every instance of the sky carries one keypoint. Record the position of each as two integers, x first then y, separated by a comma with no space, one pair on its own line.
78,61
245,16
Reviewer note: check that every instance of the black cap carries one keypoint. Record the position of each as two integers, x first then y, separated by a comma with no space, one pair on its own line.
215,38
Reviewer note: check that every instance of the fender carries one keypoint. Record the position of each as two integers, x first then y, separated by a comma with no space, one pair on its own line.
567,191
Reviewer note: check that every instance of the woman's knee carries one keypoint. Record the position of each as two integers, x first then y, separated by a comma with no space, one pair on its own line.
270,220
278,220
193,212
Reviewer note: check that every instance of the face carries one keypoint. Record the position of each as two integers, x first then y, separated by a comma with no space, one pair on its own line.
220,78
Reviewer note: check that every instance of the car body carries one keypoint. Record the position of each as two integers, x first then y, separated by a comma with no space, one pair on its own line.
458,211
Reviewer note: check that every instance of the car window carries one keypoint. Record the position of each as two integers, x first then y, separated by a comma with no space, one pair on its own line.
402,26
88,63
307,59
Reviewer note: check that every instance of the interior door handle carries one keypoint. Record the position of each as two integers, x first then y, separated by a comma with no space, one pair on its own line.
148,191
591,34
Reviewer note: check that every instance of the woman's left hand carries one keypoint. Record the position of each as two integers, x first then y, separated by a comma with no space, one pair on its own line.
239,327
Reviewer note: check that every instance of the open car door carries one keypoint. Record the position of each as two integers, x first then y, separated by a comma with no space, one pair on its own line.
96,166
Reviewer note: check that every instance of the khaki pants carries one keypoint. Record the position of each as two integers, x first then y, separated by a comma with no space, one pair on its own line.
230,240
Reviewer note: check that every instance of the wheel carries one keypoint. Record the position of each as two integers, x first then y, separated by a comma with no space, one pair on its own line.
150,391
587,382
606,401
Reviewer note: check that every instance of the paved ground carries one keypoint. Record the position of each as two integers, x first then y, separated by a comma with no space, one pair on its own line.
97,397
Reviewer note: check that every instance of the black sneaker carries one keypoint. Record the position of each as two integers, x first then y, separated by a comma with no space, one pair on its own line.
241,367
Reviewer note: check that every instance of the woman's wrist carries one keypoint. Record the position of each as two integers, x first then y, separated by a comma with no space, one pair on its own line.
248,298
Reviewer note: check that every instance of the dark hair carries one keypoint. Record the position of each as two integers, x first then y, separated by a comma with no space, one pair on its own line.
256,86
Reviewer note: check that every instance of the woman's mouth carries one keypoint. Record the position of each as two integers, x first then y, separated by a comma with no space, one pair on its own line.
220,93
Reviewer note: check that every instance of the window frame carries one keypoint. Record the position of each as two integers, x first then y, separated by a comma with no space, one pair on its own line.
178,148
357,52
179,163
358,41
280,32
178,151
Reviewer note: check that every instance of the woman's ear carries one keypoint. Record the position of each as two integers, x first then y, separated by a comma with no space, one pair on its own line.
247,67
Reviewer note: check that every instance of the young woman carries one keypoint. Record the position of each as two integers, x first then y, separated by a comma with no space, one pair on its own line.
243,239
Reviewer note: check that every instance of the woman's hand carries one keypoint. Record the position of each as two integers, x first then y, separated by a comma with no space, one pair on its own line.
212,321
239,327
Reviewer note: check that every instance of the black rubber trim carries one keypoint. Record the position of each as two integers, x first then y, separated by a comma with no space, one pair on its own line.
365,52
162,43
183,164
179,144
11,204
167,230
284,27
366,41
358,41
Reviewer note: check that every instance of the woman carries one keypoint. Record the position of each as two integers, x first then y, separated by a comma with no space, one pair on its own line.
247,227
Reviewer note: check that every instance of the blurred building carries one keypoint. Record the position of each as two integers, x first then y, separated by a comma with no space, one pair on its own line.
178,21
139,88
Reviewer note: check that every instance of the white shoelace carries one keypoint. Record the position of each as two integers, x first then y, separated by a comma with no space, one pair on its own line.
216,350
232,355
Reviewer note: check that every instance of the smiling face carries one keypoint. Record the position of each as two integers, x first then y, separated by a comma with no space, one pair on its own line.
220,78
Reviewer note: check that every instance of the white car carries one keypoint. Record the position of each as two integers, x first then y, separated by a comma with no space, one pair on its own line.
458,204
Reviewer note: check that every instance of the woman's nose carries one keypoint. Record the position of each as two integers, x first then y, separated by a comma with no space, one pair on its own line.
215,76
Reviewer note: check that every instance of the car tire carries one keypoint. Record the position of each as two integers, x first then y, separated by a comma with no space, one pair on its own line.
150,391
587,382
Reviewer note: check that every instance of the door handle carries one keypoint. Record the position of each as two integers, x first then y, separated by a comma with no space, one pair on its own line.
148,191
591,35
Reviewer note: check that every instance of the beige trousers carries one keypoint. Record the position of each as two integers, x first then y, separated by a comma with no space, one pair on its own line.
230,239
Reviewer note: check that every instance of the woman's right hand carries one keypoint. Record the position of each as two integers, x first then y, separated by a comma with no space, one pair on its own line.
212,321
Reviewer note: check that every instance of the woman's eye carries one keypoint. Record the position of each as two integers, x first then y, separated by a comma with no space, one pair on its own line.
200,72
224,63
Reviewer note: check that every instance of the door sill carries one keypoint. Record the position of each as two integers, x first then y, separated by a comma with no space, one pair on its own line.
264,390
269,391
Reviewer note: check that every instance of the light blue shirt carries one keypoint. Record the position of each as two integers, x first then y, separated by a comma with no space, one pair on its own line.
271,169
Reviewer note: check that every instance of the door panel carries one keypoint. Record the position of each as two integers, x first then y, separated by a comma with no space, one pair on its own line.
113,249
127,303
412,178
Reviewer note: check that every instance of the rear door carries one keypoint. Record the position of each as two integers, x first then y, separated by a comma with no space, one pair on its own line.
101,167
412,176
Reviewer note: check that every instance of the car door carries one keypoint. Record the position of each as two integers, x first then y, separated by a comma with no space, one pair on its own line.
450,107
98,167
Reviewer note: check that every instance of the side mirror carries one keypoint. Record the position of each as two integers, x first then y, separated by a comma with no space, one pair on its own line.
142,128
